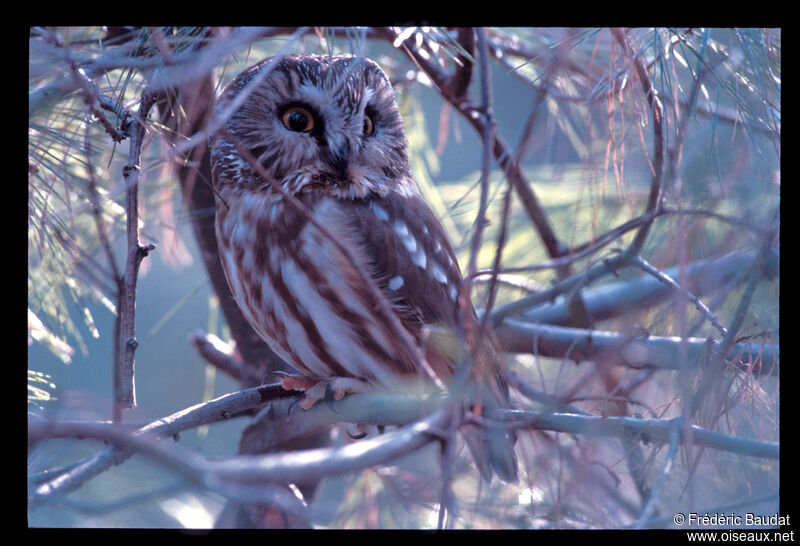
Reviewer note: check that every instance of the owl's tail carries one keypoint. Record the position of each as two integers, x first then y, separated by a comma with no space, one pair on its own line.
493,452
495,449
492,447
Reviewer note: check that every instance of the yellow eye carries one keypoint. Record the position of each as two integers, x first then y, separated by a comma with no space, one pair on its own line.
298,119
369,127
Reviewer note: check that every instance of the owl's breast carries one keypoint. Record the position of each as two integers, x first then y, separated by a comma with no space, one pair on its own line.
303,290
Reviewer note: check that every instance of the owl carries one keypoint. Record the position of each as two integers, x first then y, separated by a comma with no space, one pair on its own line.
328,247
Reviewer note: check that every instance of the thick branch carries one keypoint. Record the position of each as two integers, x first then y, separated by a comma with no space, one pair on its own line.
312,464
279,468
618,298
655,431
221,408
631,350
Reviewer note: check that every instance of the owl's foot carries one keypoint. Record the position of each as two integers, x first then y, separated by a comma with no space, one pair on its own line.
317,389
358,431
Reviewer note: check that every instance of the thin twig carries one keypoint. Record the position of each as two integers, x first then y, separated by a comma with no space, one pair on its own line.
640,262
222,357
666,470
718,356
487,132
126,343
487,135
502,152
658,138
601,241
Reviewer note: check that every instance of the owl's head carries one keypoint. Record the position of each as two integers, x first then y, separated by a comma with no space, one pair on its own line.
315,123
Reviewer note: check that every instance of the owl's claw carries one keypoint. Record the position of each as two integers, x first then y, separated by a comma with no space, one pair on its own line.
357,432
317,389
291,382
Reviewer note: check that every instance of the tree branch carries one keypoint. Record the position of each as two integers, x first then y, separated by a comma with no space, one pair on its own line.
501,151
296,466
615,299
126,343
277,468
221,408
656,431
637,351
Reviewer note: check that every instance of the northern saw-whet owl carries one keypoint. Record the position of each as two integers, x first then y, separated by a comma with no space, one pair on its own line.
328,247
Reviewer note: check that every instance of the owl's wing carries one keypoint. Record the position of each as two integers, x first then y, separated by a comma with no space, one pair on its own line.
399,243
410,258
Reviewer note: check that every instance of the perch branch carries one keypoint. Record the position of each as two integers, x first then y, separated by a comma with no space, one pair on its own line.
303,465
221,408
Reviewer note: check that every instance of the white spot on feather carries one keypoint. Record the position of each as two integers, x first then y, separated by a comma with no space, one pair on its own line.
400,228
378,210
408,240
419,258
438,273
453,293
396,283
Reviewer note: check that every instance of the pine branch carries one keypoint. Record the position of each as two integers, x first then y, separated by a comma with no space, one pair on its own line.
229,476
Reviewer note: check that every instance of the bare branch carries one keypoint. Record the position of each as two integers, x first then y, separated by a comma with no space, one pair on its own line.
124,375
221,408
672,283
221,356
278,468
229,476
657,431
502,152
631,350
615,299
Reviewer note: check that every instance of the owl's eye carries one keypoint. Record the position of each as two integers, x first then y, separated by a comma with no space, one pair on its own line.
298,119
369,127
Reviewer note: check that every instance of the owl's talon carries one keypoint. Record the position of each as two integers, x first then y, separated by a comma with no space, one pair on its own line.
358,432
319,389
274,373
298,383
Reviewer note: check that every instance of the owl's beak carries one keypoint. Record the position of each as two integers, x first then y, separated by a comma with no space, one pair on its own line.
337,159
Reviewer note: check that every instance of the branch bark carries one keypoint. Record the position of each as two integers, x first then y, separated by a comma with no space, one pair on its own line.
125,329
637,351
221,408
313,464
